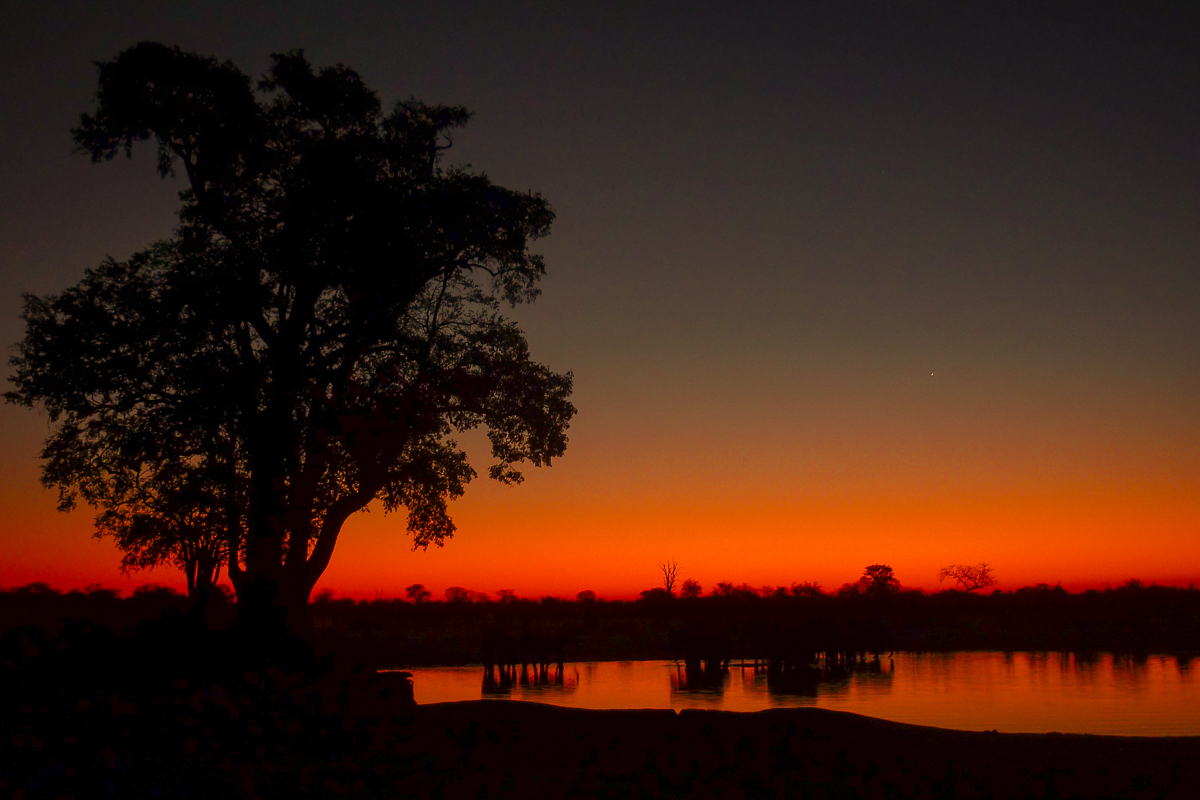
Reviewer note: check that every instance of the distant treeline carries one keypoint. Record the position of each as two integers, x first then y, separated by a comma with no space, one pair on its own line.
45,607
1133,617
395,632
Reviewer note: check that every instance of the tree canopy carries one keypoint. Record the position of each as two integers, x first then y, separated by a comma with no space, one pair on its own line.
324,320
969,577
878,580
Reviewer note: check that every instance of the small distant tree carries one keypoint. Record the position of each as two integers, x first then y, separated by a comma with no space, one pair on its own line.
806,589
457,594
670,571
417,593
586,596
164,511
155,591
506,595
969,577
742,591
878,580
727,589
690,589
183,536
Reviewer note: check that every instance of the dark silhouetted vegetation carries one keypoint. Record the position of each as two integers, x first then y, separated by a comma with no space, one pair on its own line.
1132,617
419,630
878,580
670,573
325,318
969,577
170,710
38,605
103,695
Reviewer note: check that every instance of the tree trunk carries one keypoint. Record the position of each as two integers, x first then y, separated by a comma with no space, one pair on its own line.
279,573
276,604
262,602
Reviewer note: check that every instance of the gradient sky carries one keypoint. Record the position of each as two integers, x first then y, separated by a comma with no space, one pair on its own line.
872,282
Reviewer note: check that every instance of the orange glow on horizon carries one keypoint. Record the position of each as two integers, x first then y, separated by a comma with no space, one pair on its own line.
536,545
1089,500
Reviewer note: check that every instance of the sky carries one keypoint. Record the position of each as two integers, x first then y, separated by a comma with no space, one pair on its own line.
840,284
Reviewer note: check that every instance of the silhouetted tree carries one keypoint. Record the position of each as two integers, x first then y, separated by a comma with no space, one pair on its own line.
690,588
186,539
417,593
741,590
586,596
968,577
670,571
457,594
158,505
325,319
878,580
806,589
506,595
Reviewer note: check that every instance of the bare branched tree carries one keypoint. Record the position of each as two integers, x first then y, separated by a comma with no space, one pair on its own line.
670,571
969,577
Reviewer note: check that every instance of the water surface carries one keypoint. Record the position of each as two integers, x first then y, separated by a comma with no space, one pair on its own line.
1012,692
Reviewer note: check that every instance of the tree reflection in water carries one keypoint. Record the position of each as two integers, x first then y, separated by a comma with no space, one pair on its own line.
872,675
500,683
974,690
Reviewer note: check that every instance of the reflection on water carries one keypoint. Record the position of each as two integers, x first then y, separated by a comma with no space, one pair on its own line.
1031,692
804,682
499,682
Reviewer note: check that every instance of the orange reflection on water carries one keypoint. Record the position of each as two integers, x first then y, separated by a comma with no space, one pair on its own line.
1012,692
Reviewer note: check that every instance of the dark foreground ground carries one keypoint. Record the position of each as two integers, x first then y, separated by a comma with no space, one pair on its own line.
509,749
169,714
506,749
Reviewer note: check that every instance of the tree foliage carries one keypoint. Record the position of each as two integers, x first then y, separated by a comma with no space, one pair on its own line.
969,577
417,593
459,594
809,589
325,320
878,580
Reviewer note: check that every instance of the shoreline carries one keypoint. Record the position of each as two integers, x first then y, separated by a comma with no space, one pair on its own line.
536,749
969,694
818,710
